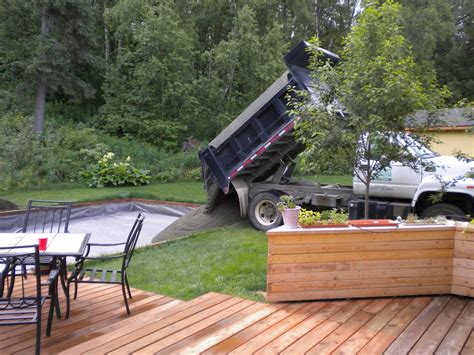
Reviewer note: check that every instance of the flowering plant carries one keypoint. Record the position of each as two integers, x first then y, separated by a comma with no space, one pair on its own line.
111,172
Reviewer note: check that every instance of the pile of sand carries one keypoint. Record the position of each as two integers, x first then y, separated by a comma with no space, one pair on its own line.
225,213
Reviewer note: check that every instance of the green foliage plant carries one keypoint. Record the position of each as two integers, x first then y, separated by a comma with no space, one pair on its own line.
334,216
338,217
108,172
363,102
286,202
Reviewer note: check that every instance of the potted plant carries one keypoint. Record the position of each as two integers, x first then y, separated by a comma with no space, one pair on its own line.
327,218
289,211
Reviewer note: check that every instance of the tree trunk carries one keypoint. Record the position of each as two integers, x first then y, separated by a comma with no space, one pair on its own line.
107,44
316,17
41,84
106,38
119,47
368,179
40,105
366,204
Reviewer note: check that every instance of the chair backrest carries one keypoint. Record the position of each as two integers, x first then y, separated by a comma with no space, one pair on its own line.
13,258
47,216
132,240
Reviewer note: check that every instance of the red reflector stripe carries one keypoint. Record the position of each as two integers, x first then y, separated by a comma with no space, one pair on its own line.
262,149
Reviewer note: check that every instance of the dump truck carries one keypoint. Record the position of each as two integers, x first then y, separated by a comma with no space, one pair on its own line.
254,157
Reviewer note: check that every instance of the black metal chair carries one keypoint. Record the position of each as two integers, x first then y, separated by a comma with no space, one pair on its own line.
80,274
22,308
43,216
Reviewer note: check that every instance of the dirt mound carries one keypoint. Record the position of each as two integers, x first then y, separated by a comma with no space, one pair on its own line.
6,205
224,214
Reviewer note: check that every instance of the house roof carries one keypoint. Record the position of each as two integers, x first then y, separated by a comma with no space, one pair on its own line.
452,118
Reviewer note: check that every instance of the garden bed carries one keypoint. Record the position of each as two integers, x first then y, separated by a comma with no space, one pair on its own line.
326,263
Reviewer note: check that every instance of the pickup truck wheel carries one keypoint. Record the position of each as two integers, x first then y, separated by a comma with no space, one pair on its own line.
263,211
444,209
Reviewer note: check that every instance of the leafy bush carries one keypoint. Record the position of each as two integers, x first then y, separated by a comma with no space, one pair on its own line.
168,175
307,165
110,172
63,151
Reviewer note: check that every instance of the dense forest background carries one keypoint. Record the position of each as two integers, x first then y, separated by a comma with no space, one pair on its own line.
146,77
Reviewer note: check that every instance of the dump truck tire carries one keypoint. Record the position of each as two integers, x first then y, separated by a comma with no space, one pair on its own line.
263,212
444,209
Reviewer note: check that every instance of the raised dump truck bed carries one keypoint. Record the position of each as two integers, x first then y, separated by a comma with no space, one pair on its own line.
255,153
260,137
253,144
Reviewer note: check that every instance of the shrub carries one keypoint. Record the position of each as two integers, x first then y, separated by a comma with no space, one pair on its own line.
66,149
110,172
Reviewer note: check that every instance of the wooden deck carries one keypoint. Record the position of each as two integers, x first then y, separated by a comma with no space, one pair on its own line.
216,323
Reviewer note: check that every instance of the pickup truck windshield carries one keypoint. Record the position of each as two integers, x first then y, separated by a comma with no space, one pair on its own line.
416,148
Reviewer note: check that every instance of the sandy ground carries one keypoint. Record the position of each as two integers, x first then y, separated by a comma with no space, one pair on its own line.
225,214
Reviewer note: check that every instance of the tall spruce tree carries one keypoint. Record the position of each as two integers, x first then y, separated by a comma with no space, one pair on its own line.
49,48
148,88
440,32
244,64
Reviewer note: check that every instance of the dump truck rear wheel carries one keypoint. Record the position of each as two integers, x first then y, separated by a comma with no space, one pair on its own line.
263,211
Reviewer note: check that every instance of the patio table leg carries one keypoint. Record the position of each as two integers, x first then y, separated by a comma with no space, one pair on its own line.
63,277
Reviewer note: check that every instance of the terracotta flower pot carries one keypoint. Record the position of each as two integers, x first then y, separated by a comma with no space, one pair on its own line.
290,217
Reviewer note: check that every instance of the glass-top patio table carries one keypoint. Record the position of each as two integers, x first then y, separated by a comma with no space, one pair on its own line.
59,246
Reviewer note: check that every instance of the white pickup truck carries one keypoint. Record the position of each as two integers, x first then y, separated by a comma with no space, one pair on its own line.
433,174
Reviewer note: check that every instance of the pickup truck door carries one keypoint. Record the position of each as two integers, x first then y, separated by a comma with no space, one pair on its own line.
397,181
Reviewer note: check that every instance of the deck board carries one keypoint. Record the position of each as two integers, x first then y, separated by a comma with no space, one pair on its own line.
216,323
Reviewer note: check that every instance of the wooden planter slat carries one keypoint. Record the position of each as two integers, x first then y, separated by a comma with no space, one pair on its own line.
355,256
463,271
362,274
354,236
360,265
365,283
305,264
357,293
307,248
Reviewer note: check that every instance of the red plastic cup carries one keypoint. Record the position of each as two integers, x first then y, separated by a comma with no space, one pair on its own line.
42,243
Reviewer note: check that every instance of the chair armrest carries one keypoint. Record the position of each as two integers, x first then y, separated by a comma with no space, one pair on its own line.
89,245
115,256
104,244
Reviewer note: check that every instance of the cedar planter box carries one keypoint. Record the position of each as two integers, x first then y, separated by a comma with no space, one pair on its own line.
312,264
463,263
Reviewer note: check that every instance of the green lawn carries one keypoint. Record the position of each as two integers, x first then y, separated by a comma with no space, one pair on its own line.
181,192
230,260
